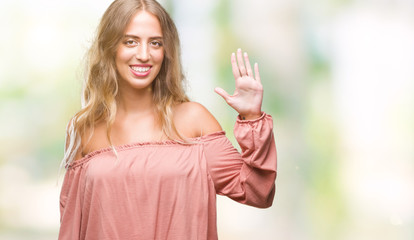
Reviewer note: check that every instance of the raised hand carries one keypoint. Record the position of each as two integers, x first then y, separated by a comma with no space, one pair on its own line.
248,95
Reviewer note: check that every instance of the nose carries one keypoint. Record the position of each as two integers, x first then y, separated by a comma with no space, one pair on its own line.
143,53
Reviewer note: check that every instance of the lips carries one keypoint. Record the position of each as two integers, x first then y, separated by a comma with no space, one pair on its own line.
140,70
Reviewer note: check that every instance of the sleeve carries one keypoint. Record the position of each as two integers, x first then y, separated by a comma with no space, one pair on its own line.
70,205
247,177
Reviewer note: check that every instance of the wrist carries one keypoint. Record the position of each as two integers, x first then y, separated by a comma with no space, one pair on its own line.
250,116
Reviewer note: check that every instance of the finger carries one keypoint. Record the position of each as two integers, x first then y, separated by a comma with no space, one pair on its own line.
256,73
236,72
248,66
242,68
222,93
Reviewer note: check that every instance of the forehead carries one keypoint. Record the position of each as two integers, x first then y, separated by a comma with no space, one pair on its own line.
144,24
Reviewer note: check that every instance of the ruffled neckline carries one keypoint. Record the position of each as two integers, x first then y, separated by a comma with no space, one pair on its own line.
194,140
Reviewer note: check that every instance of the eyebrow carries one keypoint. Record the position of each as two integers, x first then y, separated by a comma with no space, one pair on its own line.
136,37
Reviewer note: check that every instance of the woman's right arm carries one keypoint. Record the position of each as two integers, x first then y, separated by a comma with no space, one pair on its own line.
70,204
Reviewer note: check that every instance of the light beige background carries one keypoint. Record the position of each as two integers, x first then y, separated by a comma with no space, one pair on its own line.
338,79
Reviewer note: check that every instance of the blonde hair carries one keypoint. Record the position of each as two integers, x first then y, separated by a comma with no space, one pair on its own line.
101,81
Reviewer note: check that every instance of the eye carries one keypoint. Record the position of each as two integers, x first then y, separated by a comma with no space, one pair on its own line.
130,43
156,44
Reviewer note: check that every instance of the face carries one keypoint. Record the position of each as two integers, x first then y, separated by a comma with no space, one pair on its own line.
140,54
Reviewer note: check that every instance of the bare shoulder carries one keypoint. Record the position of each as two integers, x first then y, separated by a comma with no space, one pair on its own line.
94,139
68,140
192,119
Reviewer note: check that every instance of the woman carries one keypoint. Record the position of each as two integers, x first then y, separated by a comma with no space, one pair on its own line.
143,162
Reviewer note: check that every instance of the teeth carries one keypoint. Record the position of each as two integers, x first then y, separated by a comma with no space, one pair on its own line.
141,69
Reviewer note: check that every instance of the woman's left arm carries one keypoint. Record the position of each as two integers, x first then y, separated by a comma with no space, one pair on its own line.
249,176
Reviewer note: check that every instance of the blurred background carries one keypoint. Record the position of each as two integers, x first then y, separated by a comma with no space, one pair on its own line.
339,83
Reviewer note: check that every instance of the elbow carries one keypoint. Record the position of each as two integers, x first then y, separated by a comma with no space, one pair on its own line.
264,193
254,199
264,206
268,200
262,200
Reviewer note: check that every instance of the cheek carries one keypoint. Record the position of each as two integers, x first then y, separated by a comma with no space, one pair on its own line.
122,55
158,56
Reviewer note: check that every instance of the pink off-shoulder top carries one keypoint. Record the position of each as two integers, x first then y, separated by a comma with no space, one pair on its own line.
167,190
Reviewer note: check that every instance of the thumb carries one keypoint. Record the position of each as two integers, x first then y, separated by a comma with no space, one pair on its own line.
222,93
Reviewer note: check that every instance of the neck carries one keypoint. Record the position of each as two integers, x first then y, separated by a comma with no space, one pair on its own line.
135,101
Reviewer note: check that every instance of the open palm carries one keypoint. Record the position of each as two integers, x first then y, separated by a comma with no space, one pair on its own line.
248,95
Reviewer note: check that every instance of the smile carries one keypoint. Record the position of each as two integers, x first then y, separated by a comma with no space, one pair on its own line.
140,71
